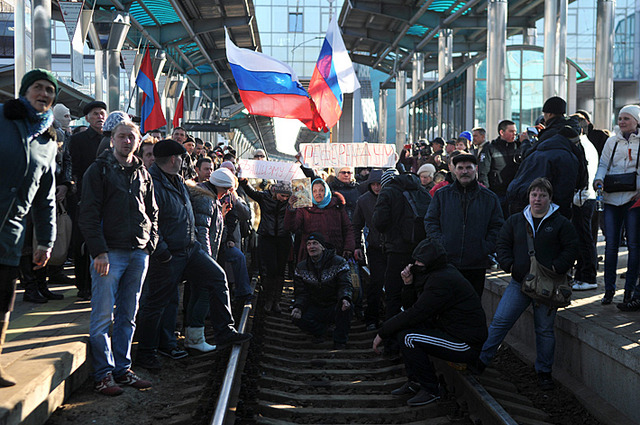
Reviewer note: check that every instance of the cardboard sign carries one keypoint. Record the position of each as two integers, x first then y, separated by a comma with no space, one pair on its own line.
320,155
274,170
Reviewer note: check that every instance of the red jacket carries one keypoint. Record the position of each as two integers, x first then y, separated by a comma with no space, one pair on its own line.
332,221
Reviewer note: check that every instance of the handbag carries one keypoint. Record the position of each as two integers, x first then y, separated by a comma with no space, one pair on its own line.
544,285
63,236
625,182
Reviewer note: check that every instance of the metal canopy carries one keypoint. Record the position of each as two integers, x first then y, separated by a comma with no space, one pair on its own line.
384,34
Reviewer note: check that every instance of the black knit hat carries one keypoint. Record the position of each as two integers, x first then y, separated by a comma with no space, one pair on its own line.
555,105
92,105
168,147
34,75
317,236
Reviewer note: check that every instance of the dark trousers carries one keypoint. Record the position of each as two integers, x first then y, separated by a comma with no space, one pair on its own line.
476,278
373,291
81,258
396,262
163,278
588,259
274,252
8,280
418,344
315,320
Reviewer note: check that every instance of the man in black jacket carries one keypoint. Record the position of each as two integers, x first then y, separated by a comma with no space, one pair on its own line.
119,221
83,147
466,218
178,254
323,291
442,317
499,161
392,217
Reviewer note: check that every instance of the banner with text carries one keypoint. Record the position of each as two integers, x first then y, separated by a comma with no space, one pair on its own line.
274,170
335,155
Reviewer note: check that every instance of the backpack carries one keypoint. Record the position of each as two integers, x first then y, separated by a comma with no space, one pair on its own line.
413,217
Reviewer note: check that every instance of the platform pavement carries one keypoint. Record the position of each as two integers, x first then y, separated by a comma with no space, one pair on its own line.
597,346
597,352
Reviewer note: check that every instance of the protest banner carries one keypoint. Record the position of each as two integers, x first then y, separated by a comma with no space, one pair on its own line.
320,155
274,170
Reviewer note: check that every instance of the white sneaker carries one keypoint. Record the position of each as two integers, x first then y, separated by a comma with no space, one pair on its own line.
583,286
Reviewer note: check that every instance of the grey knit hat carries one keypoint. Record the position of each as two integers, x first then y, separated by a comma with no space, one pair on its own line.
388,175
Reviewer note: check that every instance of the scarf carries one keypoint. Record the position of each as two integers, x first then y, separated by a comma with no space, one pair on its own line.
37,122
327,194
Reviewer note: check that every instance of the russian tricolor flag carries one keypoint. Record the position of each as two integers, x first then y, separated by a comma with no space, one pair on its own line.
333,76
151,112
269,87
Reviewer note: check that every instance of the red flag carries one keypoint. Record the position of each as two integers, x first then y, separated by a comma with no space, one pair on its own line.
151,111
179,111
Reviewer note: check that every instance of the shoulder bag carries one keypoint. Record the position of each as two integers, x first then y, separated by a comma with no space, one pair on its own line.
625,182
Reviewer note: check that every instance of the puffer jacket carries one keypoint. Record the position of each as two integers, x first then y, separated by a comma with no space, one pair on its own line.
466,221
117,211
27,182
324,283
555,160
555,241
390,207
624,161
272,211
444,299
207,212
331,221
351,193
176,223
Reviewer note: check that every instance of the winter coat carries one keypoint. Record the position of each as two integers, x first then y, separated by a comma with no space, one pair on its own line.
324,283
624,161
272,211
176,223
27,182
390,207
440,297
555,125
555,241
332,221
554,159
351,193
118,210
208,216
497,165
466,221
239,212
363,216
83,147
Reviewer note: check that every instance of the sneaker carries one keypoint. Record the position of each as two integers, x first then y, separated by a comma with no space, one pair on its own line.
174,353
608,297
233,338
583,286
633,305
151,363
545,382
107,386
131,379
408,387
423,397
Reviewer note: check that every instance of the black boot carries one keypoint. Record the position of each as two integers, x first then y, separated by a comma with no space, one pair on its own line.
28,279
41,278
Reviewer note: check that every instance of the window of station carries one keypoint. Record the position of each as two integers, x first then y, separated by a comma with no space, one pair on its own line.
295,22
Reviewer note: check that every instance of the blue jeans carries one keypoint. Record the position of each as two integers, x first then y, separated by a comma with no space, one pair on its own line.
614,218
512,304
239,265
121,287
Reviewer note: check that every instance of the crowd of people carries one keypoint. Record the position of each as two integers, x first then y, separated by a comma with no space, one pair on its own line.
152,211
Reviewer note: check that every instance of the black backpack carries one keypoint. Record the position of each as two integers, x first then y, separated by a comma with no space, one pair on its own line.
413,217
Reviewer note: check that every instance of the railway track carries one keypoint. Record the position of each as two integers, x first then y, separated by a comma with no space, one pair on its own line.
298,382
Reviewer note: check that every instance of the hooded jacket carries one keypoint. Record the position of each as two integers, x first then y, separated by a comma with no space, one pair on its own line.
118,210
554,159
554,239
391,206
439,297
466,221
209,220
324,283
332,221
363,214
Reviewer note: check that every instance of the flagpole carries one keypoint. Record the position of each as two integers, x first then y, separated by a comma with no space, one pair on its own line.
135,84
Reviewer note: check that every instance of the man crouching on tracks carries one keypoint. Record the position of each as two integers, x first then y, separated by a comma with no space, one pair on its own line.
442,317
323,290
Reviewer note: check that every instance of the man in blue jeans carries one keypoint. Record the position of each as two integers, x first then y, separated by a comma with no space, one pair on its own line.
178,255
119,221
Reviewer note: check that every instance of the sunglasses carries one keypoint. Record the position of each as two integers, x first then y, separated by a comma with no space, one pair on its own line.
345,172
259,156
